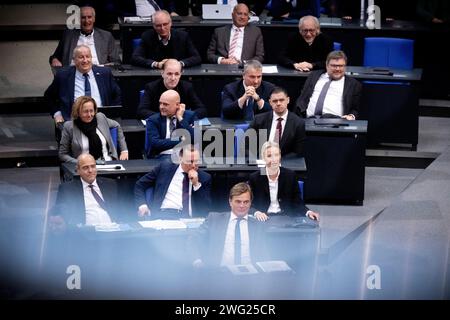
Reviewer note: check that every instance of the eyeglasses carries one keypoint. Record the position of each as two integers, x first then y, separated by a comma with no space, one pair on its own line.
337,66
305,31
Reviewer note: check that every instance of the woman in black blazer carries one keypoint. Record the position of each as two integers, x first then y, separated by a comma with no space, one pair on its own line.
285,198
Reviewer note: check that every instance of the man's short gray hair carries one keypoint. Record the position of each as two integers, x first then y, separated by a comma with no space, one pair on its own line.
252,64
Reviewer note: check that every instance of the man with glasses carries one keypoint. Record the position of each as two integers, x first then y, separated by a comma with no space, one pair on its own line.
163,43
307,49
331,93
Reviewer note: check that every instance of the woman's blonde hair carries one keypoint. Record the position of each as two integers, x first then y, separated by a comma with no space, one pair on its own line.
79,102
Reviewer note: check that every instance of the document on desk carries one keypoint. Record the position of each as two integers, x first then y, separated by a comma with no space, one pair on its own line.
163,224
110,167
274,266
270,69
110,227
242,269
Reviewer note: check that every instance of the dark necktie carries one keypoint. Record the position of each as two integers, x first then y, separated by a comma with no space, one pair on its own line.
87,85
321,99
237,241
279,130
185,194
248,109
98,198
154,5
172,125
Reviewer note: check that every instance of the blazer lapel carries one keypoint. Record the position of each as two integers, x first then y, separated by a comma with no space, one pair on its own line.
71,86
227,38
101,86
163,126
285,131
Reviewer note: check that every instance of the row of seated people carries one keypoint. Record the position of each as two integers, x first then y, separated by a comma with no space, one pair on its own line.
232,44
182,190
325,94
89,130
305,50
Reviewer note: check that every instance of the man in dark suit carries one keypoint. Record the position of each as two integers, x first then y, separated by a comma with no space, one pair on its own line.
171,75
307,49
91,200
330,93
282,126
243,99
101,42
237,43
180,190
276,188
162,126
163,43
70,83
230,238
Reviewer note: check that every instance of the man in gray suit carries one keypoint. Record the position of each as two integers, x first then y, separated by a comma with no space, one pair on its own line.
101,42
237,43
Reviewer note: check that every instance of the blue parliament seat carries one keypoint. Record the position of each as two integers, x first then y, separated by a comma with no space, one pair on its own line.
389,52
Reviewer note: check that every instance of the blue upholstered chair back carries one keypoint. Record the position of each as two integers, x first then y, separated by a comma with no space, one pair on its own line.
300,186
239,136
389,52
113,132
136,42
337,46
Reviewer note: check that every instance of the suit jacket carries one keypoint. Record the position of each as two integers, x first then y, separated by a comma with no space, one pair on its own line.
71,142
253,45
209,240
298,50
351,97
159,179
288,193
105,46
293,136
233,91
60,93
151,49
156,132
70,201
153,90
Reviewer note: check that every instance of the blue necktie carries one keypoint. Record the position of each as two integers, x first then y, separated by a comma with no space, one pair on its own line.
87,85
248,109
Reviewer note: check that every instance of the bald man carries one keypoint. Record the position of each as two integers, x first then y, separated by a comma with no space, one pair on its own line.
170,79
160,126
236,43
90,200
163,43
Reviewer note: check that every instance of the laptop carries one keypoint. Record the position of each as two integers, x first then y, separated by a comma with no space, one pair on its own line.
216,11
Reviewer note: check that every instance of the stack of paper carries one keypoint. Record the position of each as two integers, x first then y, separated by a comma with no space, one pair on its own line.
163,224
274,266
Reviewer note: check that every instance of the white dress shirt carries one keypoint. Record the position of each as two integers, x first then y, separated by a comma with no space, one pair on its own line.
85,145
274,206
228,249
333,99
143,8
95,214
88,41
273,128
174,195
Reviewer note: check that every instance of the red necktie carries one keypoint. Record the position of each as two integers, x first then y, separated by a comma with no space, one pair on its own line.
279,130
185,194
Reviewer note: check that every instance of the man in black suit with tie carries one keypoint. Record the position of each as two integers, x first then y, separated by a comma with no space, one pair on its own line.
161,126
243,99
179,190
163,43
91,200
282,126
230,238
170,79
83,79
276,188
330,93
